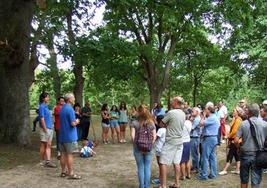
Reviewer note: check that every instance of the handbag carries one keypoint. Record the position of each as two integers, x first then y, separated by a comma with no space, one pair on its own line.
261,154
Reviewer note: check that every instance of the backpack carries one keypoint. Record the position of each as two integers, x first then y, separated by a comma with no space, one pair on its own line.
144,139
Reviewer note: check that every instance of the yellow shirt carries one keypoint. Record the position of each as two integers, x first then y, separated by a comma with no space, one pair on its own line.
235,124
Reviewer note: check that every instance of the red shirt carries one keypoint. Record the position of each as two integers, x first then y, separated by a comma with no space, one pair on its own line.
57,110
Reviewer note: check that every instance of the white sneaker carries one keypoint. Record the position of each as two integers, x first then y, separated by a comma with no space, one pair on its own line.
235,172
223,172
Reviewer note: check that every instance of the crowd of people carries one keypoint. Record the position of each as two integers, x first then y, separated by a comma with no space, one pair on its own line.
184,137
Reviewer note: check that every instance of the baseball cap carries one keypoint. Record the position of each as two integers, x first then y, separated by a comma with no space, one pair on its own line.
264,102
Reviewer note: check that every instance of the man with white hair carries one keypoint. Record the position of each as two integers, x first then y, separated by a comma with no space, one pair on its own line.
210,125
171,152
195,138
68,137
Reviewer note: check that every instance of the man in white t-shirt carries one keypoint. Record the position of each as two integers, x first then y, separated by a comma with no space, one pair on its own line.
222,113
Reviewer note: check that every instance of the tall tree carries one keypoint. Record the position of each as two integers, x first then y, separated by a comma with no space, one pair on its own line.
15,25
158,28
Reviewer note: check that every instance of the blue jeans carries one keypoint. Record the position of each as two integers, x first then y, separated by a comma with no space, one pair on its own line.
143,161
194,153
208,158
247,164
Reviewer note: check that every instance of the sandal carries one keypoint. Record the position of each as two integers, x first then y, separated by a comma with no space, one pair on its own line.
74,177
63,174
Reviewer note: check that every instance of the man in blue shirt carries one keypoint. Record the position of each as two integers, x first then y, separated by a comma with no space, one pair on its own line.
68,137
46,131
211,126
194,138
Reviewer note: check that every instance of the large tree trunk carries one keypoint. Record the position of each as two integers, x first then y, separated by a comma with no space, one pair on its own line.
78,68
15,16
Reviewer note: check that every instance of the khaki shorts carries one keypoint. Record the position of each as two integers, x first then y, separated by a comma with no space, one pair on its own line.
68,148
46,136
171,153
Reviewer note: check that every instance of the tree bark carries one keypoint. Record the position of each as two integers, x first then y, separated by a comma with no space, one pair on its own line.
78,67
15,16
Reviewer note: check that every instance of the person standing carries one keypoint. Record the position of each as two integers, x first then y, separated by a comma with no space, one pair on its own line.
238,112
46,131
77,109
114,124
123,120
143,159
249,147
105,123
222,113
57,109
171,152
210,126
68,137
86,113
195,138
185,163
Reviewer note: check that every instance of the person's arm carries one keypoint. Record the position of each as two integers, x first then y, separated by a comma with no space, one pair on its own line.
238,138
154,135
132,133
74,121
42,120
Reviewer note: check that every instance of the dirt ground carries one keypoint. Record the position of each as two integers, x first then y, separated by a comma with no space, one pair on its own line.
113,166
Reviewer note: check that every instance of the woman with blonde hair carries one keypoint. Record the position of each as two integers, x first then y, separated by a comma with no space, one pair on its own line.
238,114
143,134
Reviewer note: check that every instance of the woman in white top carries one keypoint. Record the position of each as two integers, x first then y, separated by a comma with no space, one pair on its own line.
185,163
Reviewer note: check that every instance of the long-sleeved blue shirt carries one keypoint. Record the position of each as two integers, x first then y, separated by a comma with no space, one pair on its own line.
195,131
211,126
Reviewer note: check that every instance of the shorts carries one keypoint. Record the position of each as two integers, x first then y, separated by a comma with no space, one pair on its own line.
171,153
123,123
46,136
104,125
114,123
68,148
186,152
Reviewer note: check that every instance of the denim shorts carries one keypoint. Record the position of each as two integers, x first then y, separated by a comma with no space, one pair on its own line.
114,123
247,164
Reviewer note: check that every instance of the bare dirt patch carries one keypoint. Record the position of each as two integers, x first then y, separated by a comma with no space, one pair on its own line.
114,166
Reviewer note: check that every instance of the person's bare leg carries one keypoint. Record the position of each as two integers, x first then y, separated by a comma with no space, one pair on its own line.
70,164
118,133
113,135
188,169
42,151
226,166
182,168
63,162
177,174
244,185
238,166
48,150
163,175
103,134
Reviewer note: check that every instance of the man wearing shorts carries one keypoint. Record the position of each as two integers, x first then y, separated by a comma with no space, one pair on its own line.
68,137
46,131
171,152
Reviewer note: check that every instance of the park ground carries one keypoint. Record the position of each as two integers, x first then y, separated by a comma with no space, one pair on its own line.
113,167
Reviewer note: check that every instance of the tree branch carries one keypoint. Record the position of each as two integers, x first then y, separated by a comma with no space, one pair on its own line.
141,26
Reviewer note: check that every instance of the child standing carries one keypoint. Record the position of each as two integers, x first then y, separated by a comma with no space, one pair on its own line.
160,140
